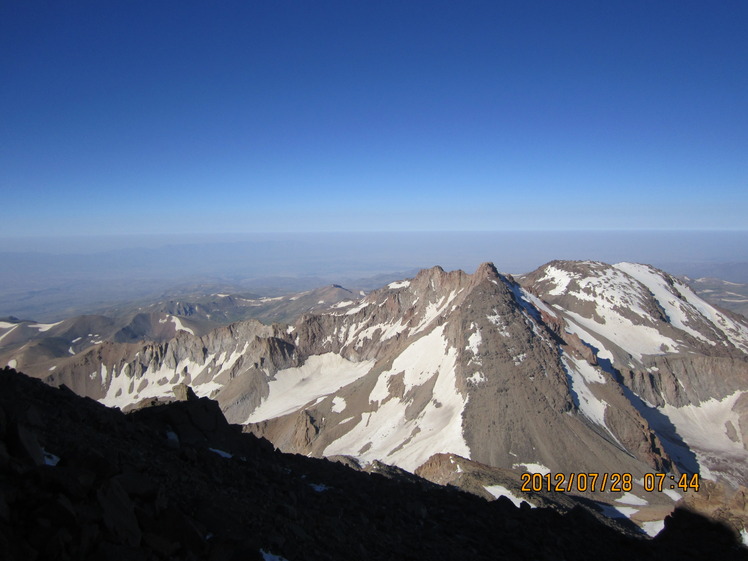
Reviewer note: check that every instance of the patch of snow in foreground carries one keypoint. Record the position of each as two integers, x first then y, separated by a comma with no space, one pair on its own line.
319,376
653,527
267,556
744,535
533,468
221,453
50,459
12,363
501,491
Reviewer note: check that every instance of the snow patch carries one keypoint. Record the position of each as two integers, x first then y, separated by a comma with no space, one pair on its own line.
319,376
582,375
637,340
398,284
499,322
559,278
434,310
533,468
50,459
44,326
357,309
221,453
474,340
501,491
476,378
179,326
631,499
391,433
653,527
267,556
689,305
338,404
703,428
12,328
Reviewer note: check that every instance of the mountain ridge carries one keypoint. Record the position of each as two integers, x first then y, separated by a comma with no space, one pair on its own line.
177,481
578,367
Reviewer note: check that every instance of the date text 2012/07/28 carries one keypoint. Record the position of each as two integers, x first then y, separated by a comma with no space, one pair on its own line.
612,482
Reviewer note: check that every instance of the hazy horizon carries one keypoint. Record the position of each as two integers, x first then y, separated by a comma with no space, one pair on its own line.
339,140
75,276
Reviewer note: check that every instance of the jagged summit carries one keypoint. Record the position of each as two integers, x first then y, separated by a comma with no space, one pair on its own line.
486,270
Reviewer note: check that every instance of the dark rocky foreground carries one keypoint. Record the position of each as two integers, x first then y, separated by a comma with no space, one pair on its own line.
176,481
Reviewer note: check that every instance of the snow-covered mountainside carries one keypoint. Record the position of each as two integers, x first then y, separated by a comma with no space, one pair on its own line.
682,362
580,367
37,347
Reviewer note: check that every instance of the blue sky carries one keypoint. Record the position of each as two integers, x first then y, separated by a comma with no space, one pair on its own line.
155,117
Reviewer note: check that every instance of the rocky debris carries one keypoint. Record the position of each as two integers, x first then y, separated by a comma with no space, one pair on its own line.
722,502
80,481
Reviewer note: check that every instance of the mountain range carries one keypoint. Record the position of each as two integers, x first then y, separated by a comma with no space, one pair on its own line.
81,481
478,381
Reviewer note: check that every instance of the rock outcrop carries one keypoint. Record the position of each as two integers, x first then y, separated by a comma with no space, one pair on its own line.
176,481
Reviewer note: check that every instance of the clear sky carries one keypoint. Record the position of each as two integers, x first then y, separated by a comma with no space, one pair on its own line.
185,116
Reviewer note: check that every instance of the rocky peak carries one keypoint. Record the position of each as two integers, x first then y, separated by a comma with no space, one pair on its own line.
486,270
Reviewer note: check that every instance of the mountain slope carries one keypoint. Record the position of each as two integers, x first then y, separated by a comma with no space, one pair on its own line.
682,362
580,367
176,481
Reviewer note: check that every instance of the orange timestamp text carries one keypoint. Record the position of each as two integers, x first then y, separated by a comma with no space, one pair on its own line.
602,482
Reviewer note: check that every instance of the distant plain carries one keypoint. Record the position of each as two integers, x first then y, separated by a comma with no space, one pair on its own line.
54,278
